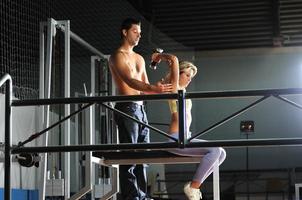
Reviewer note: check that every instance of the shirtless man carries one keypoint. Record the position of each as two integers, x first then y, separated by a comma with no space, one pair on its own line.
129,74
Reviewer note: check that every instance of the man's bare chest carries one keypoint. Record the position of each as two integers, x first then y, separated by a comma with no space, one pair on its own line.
135,67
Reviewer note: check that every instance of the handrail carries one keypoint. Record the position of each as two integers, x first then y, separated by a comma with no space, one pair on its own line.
188,95
5,78
163,145
151,146
243,93
95,99
7,137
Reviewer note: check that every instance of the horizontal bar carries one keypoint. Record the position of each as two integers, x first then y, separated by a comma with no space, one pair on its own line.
162,145
99,99
189,95
99,147
248,143
81,41
243,93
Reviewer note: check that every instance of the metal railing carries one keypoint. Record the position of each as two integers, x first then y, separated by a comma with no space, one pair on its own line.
182,142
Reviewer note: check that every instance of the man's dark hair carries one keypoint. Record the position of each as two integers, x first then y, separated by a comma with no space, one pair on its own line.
127,23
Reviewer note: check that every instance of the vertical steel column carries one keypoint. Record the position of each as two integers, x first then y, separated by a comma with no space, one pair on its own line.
92,73
50,34
89,170
7,141
297,190
216,183
91,130
247,170
182,118
41,109
67,109
87,187
42,63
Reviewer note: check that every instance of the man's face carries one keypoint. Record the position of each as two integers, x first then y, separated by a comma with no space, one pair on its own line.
133,35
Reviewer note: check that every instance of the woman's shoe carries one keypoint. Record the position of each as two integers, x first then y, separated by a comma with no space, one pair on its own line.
192,193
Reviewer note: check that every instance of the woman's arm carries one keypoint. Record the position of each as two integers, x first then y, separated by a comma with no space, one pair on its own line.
173,65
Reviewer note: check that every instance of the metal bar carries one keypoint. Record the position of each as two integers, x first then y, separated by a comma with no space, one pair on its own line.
7,145
90,130
80,193
163,145
132,118
82,42
72,100
42,61
182,129
67,108
5,78
216,182
34,136
90,138
244,93
288,101
248,143
189,95
228,118
41,110
92,74
100,147
46,94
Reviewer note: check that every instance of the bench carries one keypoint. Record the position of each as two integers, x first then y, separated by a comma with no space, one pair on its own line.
107,158
142,157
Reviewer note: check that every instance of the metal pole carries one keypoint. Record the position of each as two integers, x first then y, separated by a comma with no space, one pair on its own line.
182,118
7,140
41,109
99,99
67,109
82,42
247,171
120,98
162,145
46,94
242,93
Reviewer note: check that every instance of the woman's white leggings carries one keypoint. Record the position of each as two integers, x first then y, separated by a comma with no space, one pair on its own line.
208,156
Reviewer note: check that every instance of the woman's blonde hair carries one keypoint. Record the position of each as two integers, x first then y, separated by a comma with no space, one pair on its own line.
183,65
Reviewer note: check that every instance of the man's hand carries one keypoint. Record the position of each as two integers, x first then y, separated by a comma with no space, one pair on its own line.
163,88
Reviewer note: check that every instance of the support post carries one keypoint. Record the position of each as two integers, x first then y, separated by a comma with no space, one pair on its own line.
182,119
216,183
67,109
7,141
46,94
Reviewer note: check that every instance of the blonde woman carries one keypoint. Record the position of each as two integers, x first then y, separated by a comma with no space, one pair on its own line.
180,76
